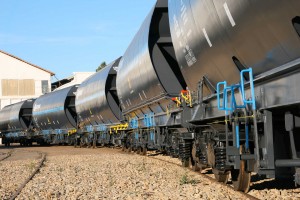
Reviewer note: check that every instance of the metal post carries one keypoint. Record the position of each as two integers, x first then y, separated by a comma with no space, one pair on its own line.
293,148
256,138
269,143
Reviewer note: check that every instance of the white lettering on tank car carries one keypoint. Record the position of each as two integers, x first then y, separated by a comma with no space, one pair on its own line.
207,38
141,96
144,94
229,15
36,106
183,36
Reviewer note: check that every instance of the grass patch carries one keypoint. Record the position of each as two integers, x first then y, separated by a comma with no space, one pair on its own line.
185,179
31,166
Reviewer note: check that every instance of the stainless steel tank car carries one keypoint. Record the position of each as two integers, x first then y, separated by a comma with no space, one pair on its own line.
96,100
56,110
148,72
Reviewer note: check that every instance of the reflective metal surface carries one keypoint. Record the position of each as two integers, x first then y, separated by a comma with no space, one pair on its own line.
208,34
96,99
16,117
56,110
148,69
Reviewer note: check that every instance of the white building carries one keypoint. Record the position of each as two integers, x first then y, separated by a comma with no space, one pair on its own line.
76,78
20,80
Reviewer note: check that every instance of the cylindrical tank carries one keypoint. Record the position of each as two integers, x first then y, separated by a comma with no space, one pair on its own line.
96,99
56,110
219,38
148,70
16,117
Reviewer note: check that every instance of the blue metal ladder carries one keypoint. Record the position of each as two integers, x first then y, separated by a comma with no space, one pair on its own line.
149,122
231,107
134,124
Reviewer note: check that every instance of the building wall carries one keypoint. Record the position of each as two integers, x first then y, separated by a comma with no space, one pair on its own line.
20,81
78,78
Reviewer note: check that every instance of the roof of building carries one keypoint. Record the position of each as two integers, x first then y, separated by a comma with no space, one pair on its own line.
52,74
75,79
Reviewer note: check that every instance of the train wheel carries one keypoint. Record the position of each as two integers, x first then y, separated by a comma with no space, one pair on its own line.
194,166
221,176
144,151
185,163
129,149
241,178
138,150
194,161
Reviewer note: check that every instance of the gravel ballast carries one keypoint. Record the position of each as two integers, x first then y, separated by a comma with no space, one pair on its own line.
14,172
104,173
119,176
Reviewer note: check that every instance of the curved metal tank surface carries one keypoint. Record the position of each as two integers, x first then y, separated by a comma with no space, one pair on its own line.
148,70
16,117
218,38
56,110
96,100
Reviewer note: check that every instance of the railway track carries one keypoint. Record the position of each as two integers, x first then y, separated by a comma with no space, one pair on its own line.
6,155
30,162
247,196
204,184
36,170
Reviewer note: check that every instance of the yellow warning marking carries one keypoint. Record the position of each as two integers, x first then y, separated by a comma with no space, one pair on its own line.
118,127
72,131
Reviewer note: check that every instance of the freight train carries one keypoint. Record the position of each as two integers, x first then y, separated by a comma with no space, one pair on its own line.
214,83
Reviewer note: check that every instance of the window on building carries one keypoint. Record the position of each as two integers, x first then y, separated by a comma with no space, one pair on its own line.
18,87
45,88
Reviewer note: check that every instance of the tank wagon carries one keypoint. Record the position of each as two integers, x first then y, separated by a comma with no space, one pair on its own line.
214,83
16,123
54,115
241,65
149,77
98,108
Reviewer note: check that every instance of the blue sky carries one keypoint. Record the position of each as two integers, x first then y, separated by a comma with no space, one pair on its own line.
70,35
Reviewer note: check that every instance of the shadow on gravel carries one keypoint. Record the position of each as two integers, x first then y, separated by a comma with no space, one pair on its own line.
259,183
16,146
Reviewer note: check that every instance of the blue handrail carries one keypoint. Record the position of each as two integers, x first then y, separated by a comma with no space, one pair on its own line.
252,99
233,105
136,135
222,102
237,135
224,84
152,135
149,120
100,127
134,123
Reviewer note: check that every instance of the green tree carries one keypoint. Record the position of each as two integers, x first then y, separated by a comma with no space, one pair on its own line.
101,66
